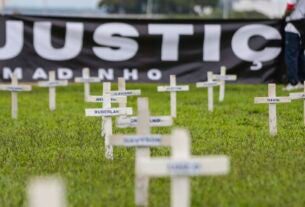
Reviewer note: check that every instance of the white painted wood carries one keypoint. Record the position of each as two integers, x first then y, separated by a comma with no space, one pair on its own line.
272,100
14,88
125,93
46,192
210,84
173,88
143,140
181,166
100,99
86,79
108,112
299,96
52,92
52,83
122,87
14,98
222,78
157,121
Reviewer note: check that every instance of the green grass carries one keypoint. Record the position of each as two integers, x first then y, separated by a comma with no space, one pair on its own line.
265,171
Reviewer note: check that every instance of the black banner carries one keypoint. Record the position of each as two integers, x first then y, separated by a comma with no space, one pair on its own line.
146,50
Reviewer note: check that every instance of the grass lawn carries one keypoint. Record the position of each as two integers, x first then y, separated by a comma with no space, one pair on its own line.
265,171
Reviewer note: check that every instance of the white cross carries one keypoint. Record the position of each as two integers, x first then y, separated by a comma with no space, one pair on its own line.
299,96
173,89
209,84
107,113
52,84
143,140
272,100
86,79
181,165
46,192
222,78
14,88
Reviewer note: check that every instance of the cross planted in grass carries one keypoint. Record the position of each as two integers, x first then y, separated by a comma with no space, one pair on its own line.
52,84
272,100
107,113
14,88
173,89
142,141
182,165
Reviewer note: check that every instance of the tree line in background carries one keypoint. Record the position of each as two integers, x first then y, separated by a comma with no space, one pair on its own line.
201,8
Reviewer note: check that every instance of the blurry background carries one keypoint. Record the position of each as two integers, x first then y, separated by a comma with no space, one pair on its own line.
156,8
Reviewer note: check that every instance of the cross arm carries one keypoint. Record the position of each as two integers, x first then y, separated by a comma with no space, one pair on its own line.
157,121
125,93
173,88
225,77
295,96
207,84
108,112
140,140
53,83
271,100
15,88
195,166
87,80
100,99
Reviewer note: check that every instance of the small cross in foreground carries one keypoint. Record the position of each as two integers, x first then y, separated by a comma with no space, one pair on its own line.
86,79
14,88
107,113
173,89
52,84
272,100
142,141
46,192
210,84
222,78
181,166
299,96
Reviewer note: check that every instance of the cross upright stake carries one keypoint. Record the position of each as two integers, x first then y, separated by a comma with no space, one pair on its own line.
46,192
182,165
173,89
52,84
86,79
209,84
107,113
14,88
142,141
299,96
272,100
222,78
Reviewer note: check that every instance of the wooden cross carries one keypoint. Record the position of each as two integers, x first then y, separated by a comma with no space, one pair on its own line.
299,96
173,89
52,84
209,84
222,78
181,166
107,113
46,192
86,79
14,88
143,140
272,100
